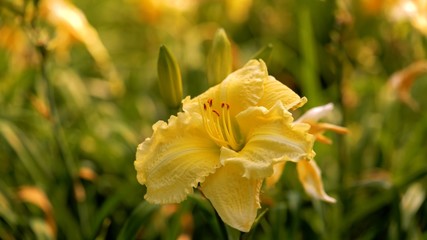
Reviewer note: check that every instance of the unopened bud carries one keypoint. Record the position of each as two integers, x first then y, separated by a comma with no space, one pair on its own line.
220,58
169,78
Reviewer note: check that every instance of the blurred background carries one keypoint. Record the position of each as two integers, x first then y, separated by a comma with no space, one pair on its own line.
79,92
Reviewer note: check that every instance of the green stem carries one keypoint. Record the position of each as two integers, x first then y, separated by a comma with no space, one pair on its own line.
227,231
222,225
309,66
232,233
57,129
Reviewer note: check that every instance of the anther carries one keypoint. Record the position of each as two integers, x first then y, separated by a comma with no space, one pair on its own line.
217,113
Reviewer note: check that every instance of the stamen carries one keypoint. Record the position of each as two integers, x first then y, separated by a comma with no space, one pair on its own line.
214,111
218,125
226,121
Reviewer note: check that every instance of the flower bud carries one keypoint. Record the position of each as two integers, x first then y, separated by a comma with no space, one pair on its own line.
219,59
170,82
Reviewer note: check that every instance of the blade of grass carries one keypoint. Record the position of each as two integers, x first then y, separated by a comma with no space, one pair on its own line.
138,218
107,208
12,137
6,211
309,66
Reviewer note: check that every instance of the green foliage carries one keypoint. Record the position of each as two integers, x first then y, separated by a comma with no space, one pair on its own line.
65,130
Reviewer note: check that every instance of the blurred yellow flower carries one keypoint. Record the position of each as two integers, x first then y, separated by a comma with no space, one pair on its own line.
317,128
37,197
71,25
153,10
308,172
19,49
310,176
412,10
226,141
238,10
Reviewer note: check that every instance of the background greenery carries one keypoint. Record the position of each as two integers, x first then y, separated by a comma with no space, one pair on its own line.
69,129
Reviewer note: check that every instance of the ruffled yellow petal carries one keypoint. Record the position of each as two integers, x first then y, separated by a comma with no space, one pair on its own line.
241,89
277,173
175,159
275,90
271,138
310,176
235,198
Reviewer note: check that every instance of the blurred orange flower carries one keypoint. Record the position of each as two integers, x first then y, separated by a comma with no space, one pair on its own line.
401,82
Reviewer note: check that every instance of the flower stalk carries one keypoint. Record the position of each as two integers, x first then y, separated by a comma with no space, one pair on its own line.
264,53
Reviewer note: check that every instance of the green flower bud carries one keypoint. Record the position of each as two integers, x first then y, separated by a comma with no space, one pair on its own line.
170,82
220,58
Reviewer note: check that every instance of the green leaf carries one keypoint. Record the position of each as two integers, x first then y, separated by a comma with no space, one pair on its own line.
139,217
41,229
109,206
10,133
6,211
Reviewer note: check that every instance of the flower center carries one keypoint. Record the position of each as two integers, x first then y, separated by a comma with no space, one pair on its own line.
218,125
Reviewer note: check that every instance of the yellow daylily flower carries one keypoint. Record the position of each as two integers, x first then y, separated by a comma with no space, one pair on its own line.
310,176
317,128
309,173
227,141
